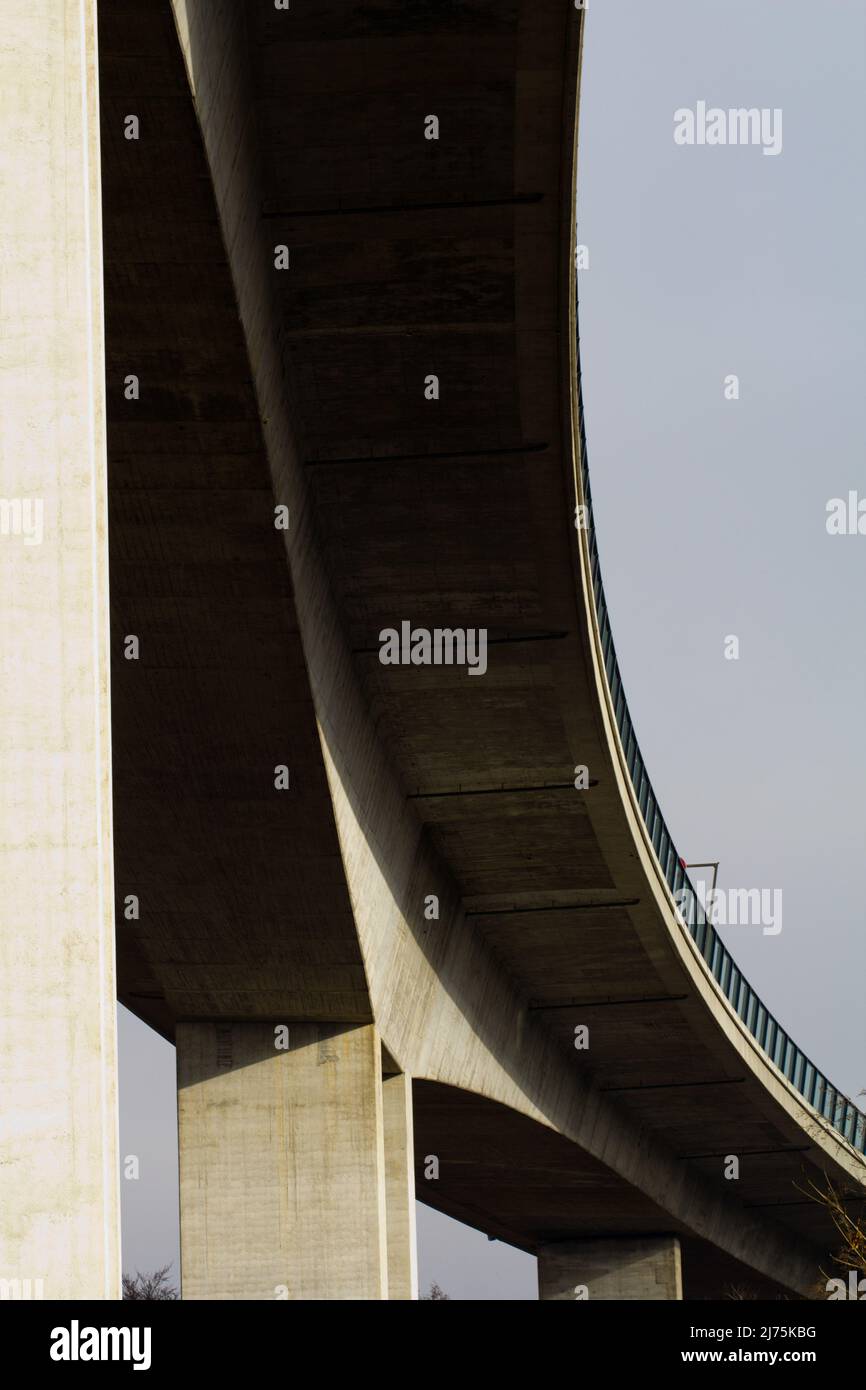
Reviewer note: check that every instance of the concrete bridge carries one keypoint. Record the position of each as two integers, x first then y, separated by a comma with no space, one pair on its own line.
411,931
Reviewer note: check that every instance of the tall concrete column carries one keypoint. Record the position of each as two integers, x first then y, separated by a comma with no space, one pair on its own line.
611,1269
400,1187
282,1161
59,1222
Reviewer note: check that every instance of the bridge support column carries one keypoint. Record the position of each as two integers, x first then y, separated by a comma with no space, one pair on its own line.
282,1161
647,1267
59,1219
400,1187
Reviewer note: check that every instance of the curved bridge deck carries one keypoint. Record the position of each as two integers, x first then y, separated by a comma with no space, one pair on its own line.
309,387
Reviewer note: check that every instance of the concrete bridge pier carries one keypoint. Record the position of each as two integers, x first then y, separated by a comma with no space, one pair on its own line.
59,1214
614,1268
290,1146
400,1185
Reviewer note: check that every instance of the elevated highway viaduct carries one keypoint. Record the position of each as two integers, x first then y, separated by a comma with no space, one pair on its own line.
374,904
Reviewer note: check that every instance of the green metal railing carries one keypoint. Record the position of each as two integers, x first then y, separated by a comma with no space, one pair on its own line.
781,1049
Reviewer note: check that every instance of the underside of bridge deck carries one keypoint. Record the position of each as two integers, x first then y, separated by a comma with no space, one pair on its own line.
309,388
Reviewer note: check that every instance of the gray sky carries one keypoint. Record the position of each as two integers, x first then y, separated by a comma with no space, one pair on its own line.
704,261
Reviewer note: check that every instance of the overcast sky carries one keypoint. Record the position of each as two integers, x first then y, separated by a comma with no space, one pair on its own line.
703,262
